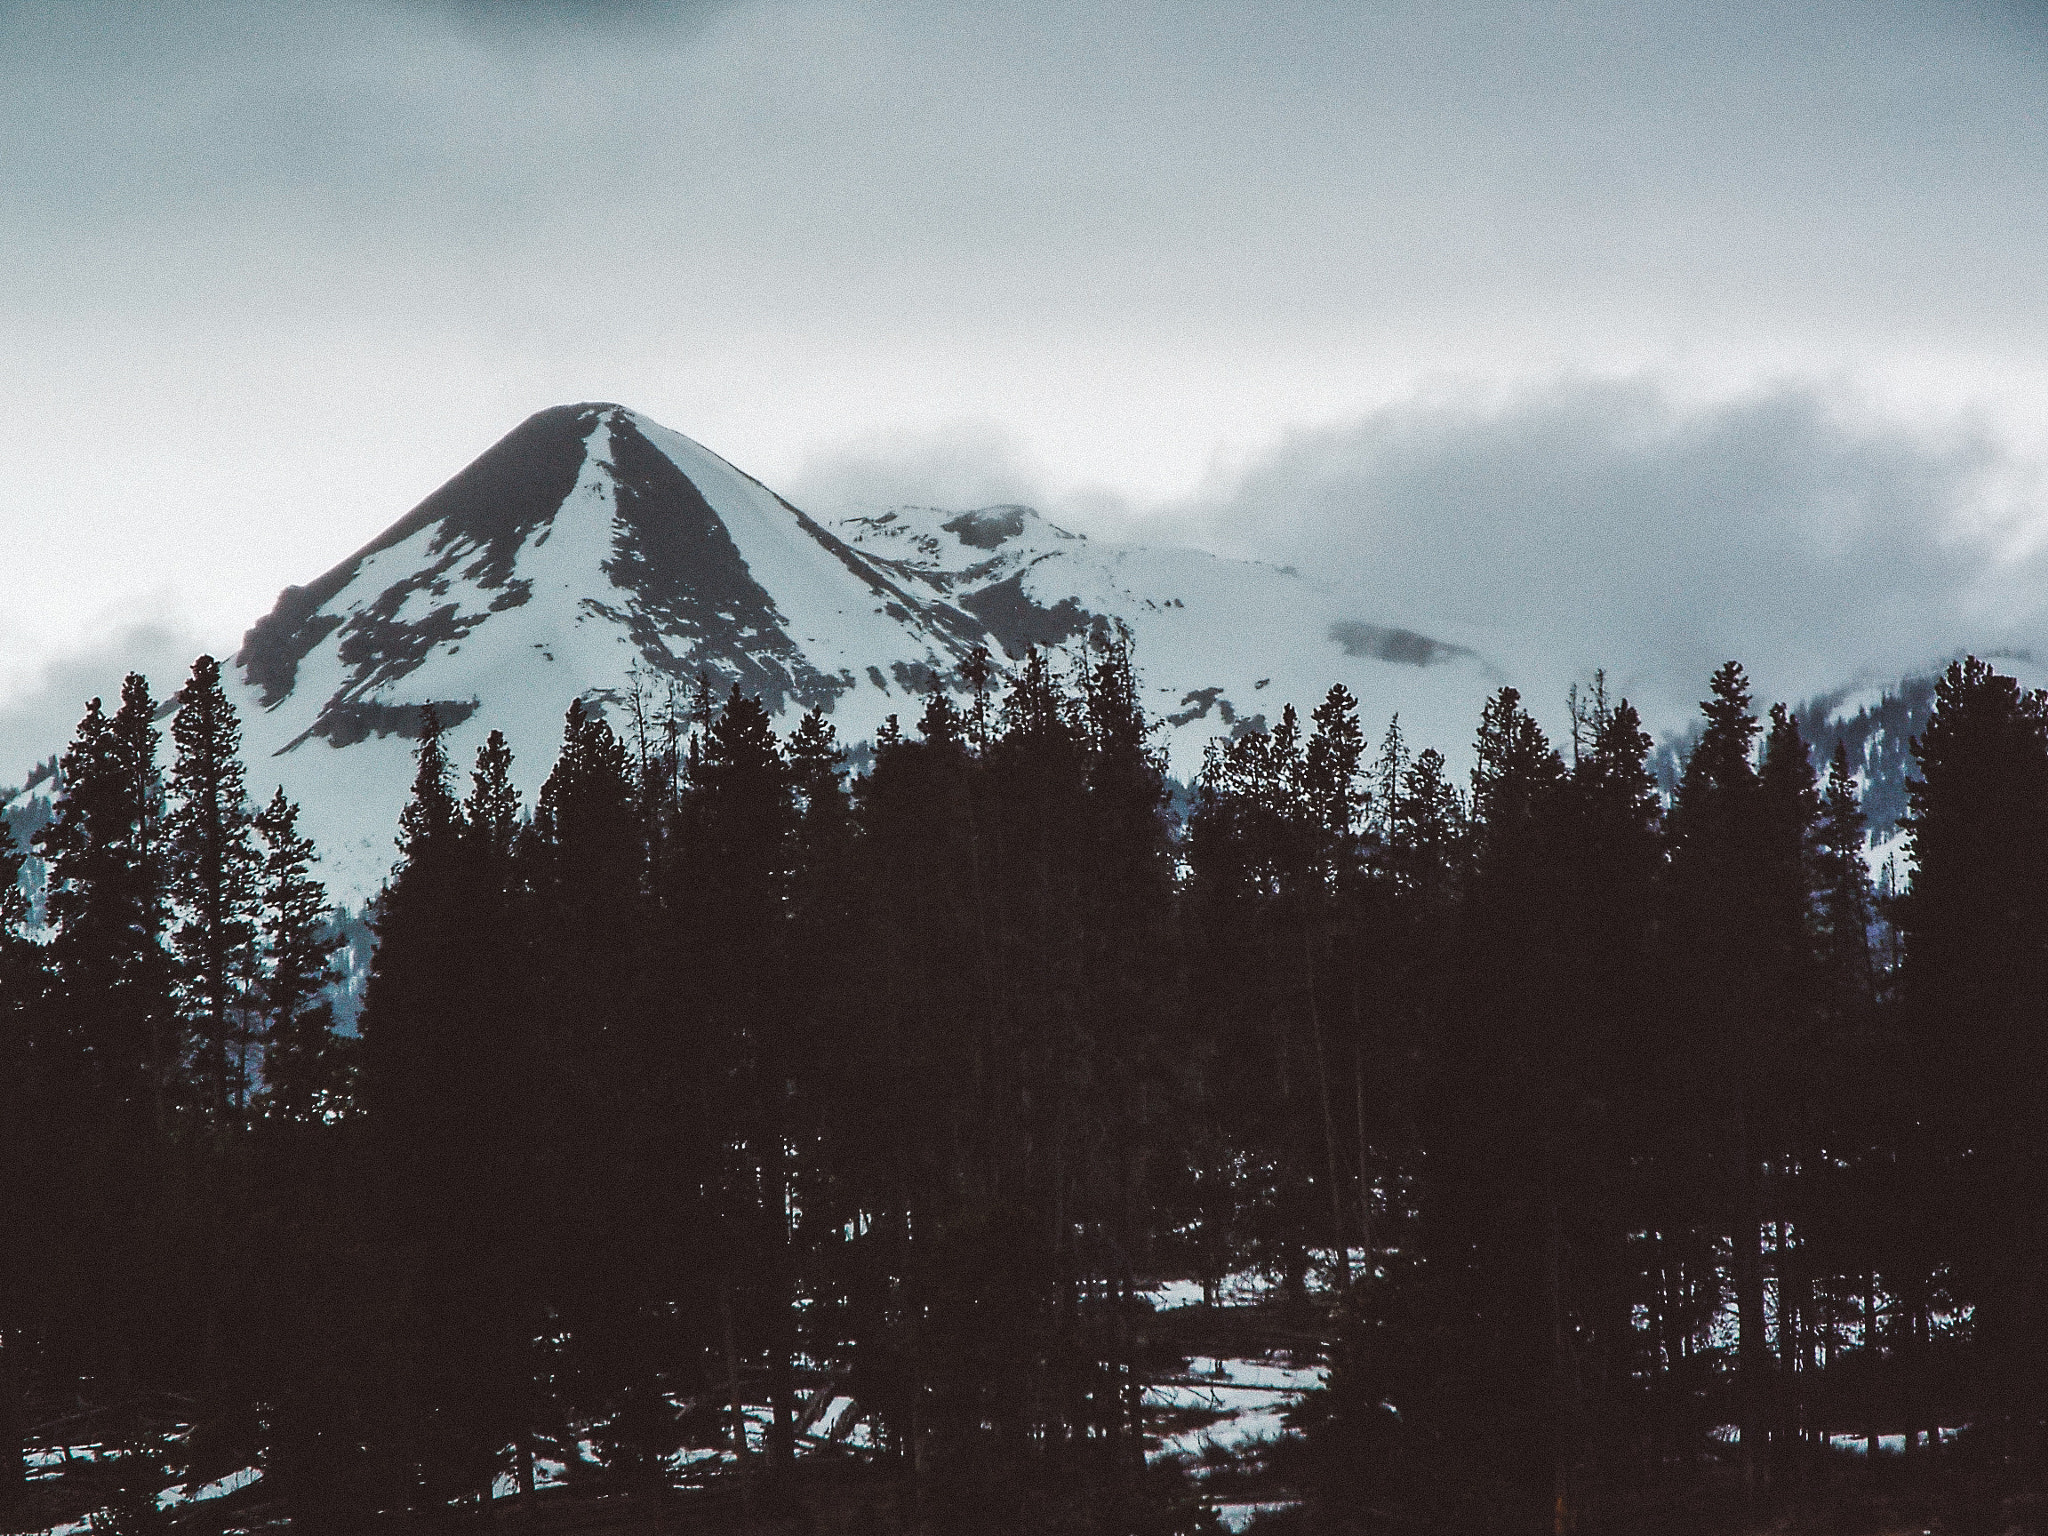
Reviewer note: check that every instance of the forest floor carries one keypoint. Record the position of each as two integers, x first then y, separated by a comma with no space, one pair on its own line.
1842,1497
1224,1379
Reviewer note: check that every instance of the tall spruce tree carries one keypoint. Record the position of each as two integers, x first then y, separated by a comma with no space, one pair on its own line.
1330,775
1332,802
1976,966
601,1067
1846,896
1499,1228
1613,861
434,1060
27,1095
106,904
214,870
1794,1054
112,1016
745,826
1721,850
308,1068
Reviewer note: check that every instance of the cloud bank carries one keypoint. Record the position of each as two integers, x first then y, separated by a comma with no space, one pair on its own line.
1615,524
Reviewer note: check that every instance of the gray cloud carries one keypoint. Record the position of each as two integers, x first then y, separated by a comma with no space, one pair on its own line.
1398,177
1614,524
545,13
39,718
1608,524
960,464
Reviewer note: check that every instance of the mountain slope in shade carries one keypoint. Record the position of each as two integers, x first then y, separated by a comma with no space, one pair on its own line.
592,552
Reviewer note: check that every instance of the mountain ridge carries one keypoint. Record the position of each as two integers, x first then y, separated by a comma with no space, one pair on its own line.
592,552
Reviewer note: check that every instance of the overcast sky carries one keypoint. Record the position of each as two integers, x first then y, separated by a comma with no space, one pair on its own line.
1652,332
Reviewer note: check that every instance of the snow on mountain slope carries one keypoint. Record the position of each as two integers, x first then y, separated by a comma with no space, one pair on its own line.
1220,644
586,544
592,546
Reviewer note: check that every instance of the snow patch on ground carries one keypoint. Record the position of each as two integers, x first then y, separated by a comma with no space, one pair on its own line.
219,1488
1238,1403
1169,1295
1859,1445
1238,1517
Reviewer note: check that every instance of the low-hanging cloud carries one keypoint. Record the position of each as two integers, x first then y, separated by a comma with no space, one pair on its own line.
959,464
39,719
1609,524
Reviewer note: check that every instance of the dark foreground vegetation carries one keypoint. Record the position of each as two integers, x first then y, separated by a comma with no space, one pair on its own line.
1632,1167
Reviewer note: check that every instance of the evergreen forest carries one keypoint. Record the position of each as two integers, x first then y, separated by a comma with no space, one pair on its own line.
1629,1164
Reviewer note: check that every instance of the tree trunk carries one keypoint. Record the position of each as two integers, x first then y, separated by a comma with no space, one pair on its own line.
1364,1174
1315,1020
1918,1407
1792,1306
739,1412
1751,1361
781,1381
13,1459
1562,1401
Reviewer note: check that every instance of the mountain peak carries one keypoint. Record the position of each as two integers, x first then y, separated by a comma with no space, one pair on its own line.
491,506
623,533
593,554
934,540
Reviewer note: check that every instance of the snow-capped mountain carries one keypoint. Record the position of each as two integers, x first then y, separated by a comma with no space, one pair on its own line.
593,551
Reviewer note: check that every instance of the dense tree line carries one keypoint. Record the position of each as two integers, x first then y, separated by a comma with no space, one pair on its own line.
1586,1122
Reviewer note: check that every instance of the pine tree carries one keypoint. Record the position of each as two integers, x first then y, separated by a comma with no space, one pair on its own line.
1330,771
816,761
1975,925
1388,770
1331,802
745,851
1846,895
1035,705
430,812
1515,772
604,1050
1721,853
1425,847
1619,1231
432,1058
1496,1229
411,1056
1794,1053
307,1067
213,867
1789,801
26,1099
491,812
105,902
112,1018
979,673
940,724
